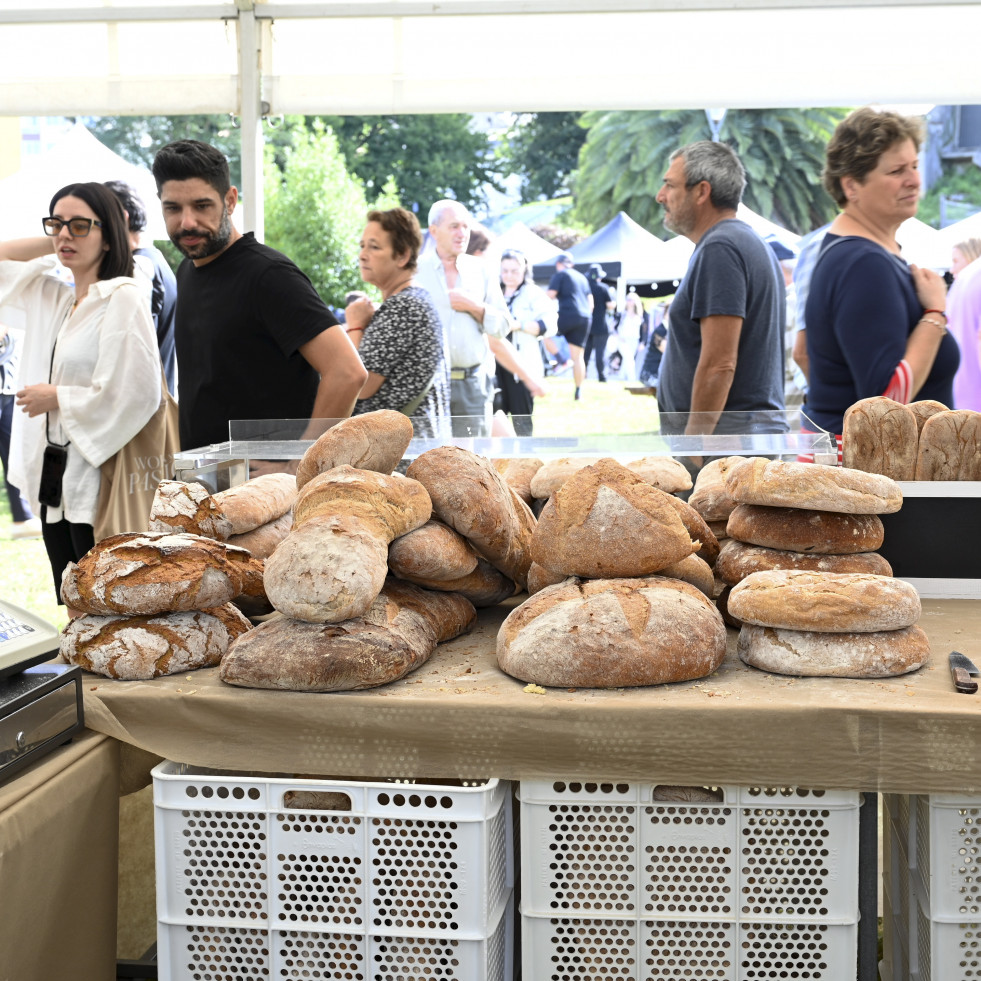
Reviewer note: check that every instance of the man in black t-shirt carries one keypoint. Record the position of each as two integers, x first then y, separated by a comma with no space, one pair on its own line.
570,288
254,339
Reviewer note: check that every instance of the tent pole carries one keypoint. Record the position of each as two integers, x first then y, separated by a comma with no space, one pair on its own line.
250,109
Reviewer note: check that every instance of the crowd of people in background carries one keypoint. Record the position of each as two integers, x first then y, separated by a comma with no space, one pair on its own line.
458,343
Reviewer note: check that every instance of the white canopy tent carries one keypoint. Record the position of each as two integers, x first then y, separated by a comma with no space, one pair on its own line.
259,57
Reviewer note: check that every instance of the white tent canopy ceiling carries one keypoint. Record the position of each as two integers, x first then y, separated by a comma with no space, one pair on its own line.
357,57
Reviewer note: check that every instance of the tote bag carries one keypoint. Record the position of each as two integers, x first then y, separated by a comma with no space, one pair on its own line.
130,478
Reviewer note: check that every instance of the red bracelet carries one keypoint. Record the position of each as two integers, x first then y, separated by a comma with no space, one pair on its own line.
943,313
349,329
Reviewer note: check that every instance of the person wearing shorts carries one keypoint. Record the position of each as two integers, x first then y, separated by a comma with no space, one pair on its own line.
571,288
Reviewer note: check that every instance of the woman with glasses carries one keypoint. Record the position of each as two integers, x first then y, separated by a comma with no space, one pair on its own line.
90,373
535,317
400,342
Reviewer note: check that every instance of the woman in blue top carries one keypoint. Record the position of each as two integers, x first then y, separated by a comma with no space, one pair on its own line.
875,325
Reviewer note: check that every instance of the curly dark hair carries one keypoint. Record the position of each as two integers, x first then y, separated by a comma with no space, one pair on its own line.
859,141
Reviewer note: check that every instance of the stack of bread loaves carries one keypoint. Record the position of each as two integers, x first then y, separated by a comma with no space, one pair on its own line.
347,623
614,623
920,441
834,624
802,516
155,603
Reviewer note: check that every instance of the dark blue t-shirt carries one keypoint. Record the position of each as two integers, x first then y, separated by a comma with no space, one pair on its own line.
572,292
861,308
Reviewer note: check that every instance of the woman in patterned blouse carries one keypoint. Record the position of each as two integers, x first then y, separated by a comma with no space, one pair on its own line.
401,340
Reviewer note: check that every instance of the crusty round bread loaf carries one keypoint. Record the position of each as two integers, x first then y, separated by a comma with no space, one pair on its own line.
539,577
154,572
433,551
737,560
950,446
664,472
825,601
371,441
803,530
781,483
469,495
803,653
187,507
659,471
879,436
256,502
923,410
554,473
517,473
397,634
329,569
709,496
484,586
697,528
135,648
606,522
612,633
262,541
692,569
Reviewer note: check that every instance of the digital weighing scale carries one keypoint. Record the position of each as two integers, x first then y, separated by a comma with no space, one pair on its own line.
40,703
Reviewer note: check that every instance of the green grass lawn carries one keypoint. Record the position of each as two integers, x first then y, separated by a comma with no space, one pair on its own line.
25,576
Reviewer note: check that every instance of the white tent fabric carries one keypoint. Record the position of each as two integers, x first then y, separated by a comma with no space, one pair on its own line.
77,157
521,238
948,237
922,245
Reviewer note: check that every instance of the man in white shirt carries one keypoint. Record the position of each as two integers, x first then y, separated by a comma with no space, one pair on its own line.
472,311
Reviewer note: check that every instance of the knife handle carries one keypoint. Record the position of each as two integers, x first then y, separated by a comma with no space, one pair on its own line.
963,682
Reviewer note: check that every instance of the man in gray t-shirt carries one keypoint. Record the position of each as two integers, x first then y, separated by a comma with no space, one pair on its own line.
725,349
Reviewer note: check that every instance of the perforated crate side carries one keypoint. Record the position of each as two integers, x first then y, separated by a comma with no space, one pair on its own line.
584,949
331,855
215,953
951,873
785,855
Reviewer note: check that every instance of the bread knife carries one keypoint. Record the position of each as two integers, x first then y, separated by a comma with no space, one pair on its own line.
963,671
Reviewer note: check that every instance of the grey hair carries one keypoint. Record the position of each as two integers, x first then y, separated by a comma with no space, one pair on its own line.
718,164
436,211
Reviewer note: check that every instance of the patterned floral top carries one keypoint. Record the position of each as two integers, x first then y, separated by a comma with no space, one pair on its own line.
403,342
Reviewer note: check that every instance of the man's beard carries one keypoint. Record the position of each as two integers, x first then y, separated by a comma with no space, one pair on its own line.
681,220
212,242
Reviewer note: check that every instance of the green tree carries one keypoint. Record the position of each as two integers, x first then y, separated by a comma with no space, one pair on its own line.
137,138
626,153
543,147
315,211
429,157
961,185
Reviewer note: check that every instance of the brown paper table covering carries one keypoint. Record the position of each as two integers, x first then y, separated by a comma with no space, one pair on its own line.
460,716
58,846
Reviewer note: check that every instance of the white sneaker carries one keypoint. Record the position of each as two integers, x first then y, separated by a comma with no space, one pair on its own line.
26,529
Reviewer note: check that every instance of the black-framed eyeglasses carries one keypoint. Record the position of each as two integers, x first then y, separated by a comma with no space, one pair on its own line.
77,227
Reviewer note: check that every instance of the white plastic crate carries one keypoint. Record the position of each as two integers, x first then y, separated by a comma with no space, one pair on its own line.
273,875
933,881
759,882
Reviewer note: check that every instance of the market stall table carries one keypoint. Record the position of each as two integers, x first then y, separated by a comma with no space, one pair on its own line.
460,716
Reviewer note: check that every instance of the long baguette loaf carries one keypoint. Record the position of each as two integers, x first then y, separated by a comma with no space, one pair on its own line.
781,483
469,495
262,541
136,648
257,502
878,654
606,522
334,562
612,633
370,441
433,552
737,560
484,586
155,572
827,602
803,530
396,634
